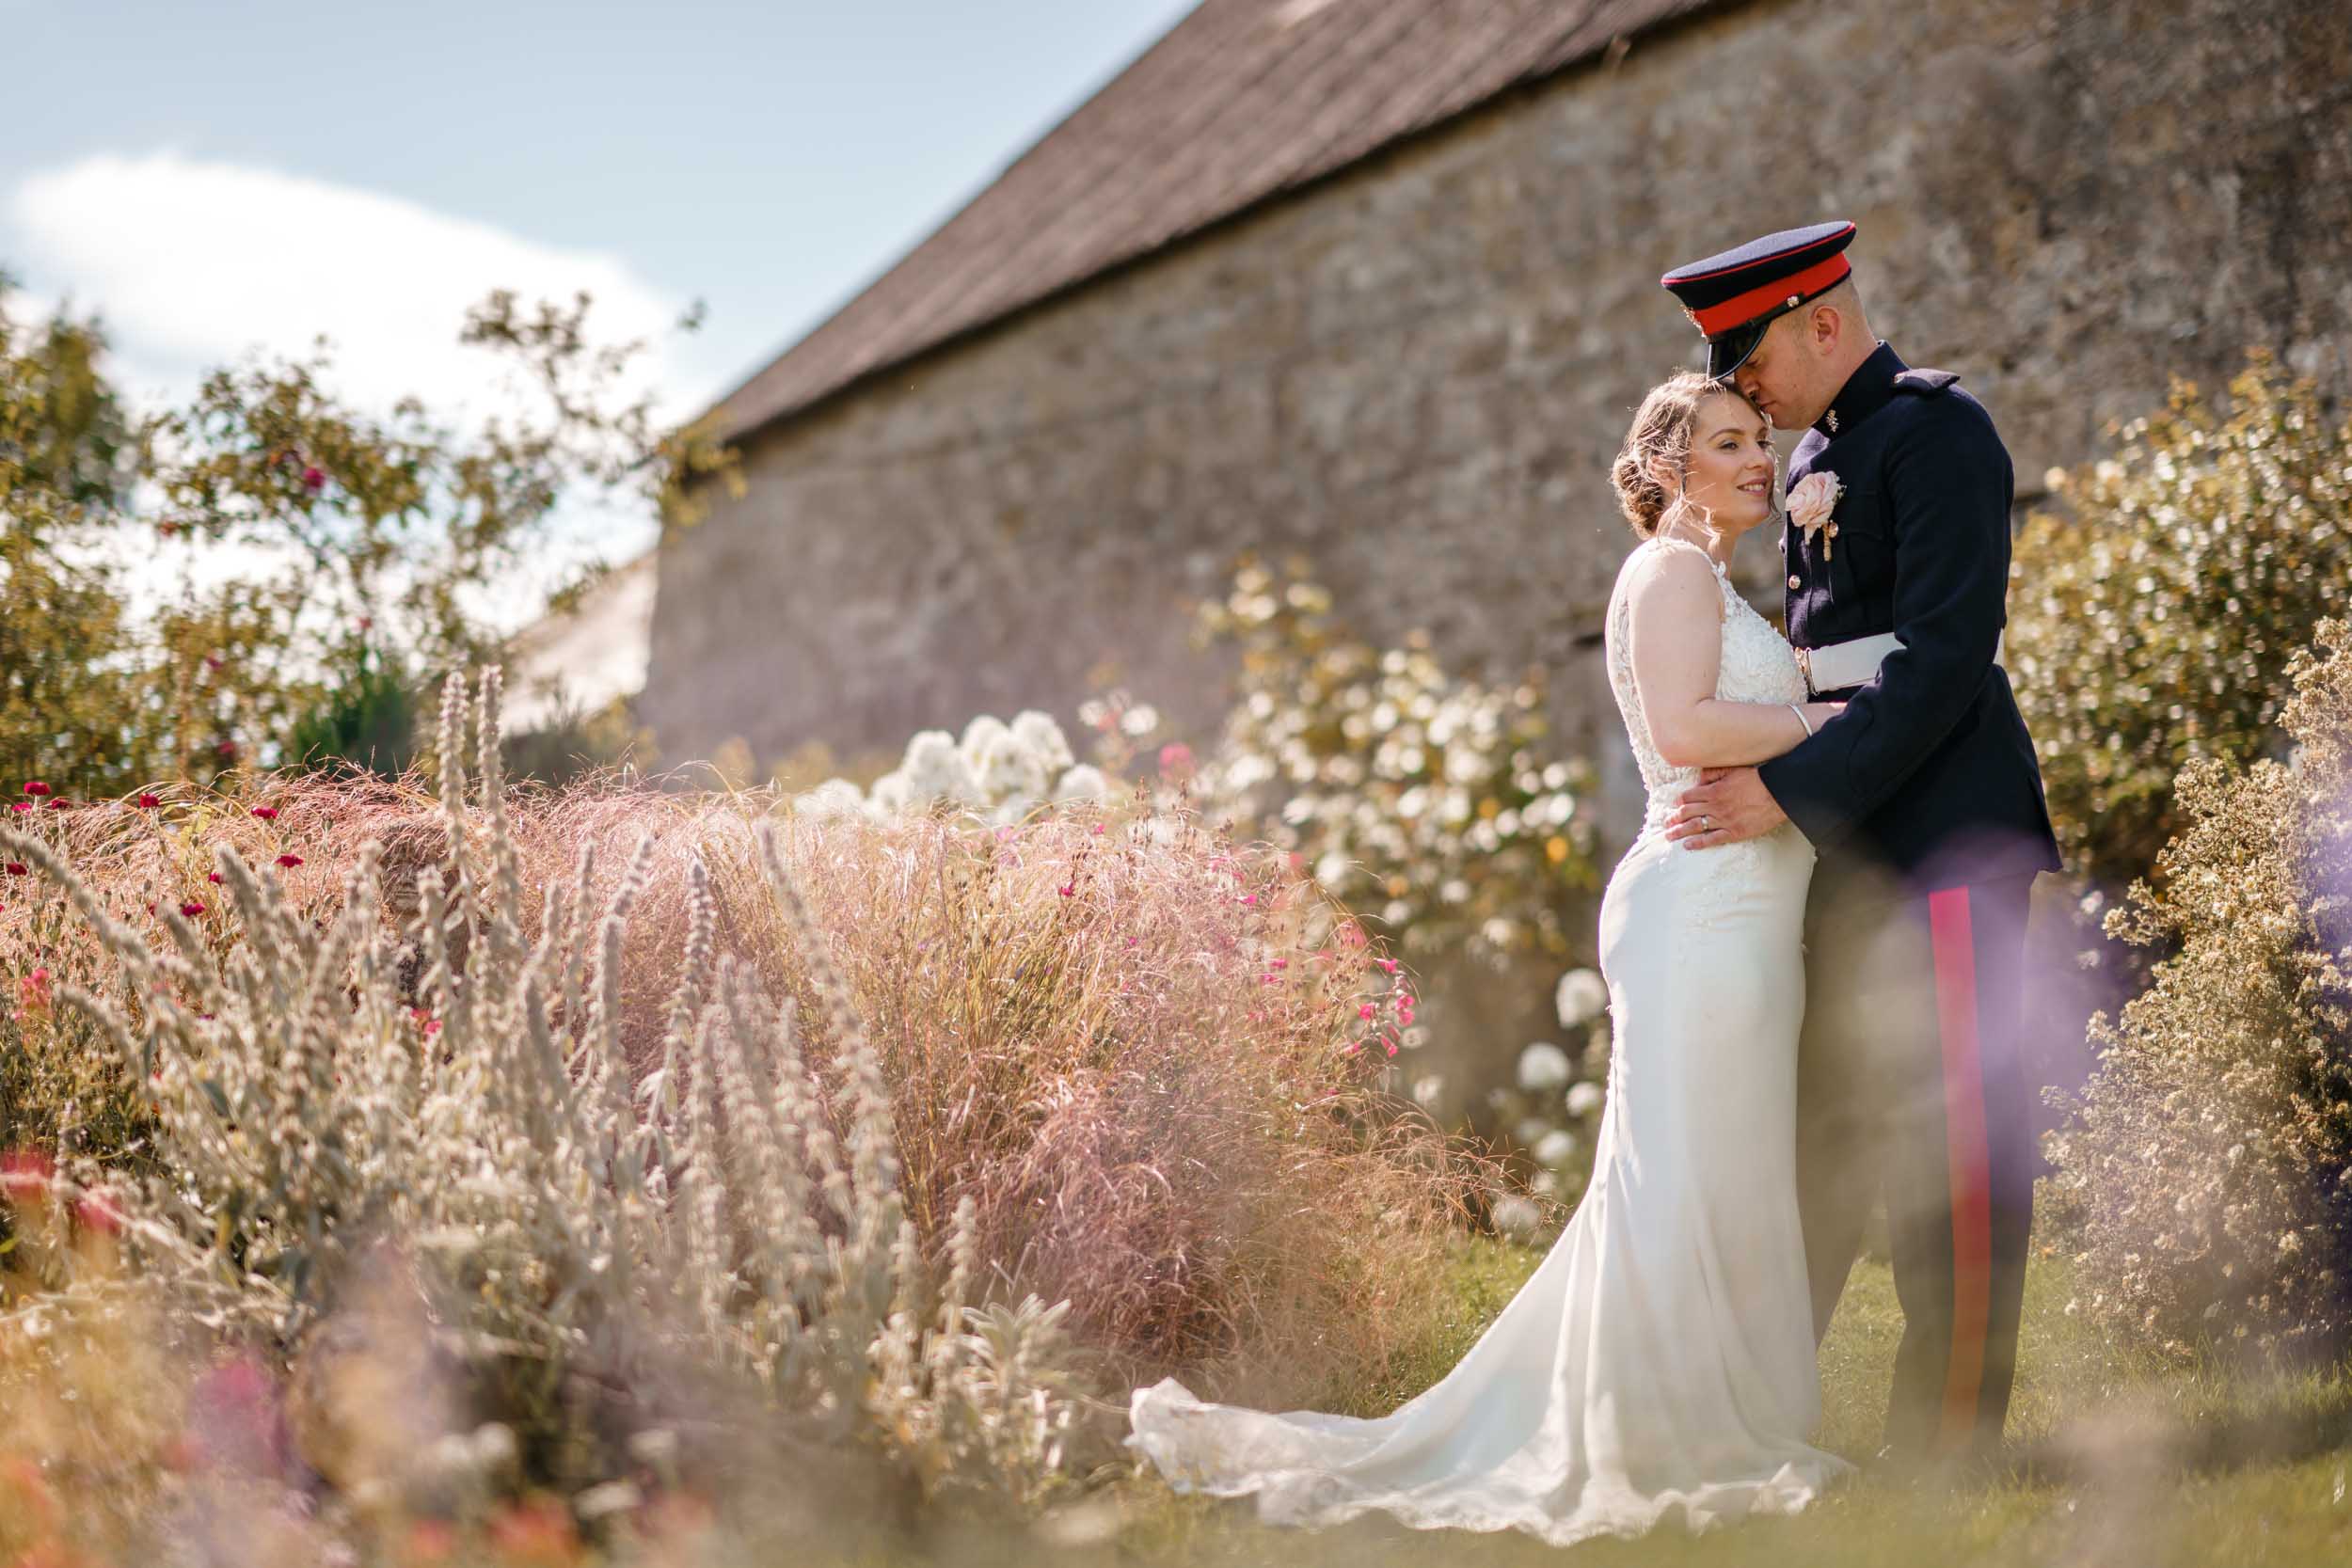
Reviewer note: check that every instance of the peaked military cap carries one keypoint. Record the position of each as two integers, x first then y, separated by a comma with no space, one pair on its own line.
1732,297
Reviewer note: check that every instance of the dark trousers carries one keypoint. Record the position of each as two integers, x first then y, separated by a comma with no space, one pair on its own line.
1912,1085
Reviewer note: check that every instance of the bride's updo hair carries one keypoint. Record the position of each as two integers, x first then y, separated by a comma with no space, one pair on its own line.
1665,428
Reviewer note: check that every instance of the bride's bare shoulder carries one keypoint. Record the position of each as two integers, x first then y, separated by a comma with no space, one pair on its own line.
1670,570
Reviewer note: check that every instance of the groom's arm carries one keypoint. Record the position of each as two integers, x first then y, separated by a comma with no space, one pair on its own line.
1951,486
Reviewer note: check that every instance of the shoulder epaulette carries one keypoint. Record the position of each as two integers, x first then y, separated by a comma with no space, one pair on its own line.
1925,383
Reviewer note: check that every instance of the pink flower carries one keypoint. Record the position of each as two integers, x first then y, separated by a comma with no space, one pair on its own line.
313,479
98,1211
1248,899
192,908
1811,504
1364,1009
290,862
35,786
25,1173
1389,964
32,992
58,802
227,748
149,801
1069,889
212,876
1279,963
268,813
1176,758
20,806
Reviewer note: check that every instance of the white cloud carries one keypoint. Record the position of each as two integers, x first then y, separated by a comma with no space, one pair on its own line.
195,263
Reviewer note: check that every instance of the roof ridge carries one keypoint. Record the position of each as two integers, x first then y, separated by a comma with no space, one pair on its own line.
1228,109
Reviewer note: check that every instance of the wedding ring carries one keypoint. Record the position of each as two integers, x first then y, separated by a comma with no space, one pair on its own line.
1707,823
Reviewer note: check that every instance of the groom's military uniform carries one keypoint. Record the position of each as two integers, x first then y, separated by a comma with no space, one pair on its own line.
1924,800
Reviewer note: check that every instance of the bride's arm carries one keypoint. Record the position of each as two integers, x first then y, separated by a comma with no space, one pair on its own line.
1676,619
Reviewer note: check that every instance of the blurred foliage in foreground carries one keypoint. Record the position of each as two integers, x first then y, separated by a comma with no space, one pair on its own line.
2210,1179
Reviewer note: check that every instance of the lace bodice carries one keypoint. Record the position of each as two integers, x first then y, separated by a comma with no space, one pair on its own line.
1757,666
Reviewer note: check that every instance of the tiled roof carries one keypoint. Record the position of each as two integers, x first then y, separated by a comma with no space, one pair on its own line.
1241,100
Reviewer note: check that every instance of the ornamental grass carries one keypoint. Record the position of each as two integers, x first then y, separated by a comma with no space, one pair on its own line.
617,1083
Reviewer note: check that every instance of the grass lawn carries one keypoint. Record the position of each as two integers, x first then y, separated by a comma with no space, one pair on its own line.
2116,1461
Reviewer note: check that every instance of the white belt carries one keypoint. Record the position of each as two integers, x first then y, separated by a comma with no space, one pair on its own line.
1844,664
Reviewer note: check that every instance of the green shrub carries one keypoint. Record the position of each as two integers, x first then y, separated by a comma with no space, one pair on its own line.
2210,1178
350,535
2152,618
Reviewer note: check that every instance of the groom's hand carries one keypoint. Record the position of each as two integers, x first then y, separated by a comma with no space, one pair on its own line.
1726,806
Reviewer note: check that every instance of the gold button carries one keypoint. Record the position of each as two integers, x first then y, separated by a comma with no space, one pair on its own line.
1793,583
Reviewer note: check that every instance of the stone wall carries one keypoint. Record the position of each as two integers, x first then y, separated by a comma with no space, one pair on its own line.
1416,372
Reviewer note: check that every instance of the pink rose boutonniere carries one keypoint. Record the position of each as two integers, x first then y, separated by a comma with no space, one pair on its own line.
1810,505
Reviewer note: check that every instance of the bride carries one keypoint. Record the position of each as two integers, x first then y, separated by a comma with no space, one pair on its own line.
1661,1361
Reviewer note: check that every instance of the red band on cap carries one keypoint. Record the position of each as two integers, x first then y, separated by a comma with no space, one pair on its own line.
1742,308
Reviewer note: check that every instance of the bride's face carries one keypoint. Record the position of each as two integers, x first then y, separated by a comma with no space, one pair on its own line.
1729,478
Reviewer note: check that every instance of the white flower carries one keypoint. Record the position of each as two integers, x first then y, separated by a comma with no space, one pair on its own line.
833,797
979,737
1811,504
890,794
1582,996
1515,1215
1555,1148
1044,740
1543,1065
1530,1131
1082,783
935,769
1583,1100
1428,1089
1142,718
1005,766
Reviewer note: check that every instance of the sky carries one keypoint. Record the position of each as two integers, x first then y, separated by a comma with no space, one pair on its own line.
218,177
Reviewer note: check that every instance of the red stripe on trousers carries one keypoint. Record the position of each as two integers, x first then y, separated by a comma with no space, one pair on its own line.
1970,1159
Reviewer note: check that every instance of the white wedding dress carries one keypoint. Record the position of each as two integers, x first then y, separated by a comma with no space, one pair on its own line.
1661,1361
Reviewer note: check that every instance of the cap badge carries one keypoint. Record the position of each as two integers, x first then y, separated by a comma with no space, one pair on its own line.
1793,302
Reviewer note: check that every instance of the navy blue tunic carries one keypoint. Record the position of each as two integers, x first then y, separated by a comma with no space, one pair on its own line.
1929,773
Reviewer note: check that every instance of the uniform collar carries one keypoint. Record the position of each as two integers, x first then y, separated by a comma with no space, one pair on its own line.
1867,391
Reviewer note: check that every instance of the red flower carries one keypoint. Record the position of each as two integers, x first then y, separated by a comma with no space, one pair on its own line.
36,787
313,479
1069,889
20,806
16,868
227,748
1364,1009
58,803
212,877
192,908
268,813
290,862
149,801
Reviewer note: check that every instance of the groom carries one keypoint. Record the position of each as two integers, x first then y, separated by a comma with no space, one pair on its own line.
1924,800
